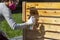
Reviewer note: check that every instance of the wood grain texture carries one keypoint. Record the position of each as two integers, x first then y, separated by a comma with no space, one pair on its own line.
49,21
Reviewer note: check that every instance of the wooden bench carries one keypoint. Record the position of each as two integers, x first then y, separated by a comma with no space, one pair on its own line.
49,20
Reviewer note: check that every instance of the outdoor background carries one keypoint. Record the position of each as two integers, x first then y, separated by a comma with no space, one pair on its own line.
17,16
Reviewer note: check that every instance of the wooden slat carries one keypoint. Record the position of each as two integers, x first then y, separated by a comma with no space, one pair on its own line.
46,12
43,5
23,11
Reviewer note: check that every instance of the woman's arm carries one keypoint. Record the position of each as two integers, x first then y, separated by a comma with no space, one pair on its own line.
7,14
29,23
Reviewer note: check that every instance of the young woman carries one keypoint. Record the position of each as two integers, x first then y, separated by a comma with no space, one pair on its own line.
5,8
5,13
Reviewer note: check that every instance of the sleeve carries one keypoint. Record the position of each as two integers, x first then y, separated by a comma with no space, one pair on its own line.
29,23
7,15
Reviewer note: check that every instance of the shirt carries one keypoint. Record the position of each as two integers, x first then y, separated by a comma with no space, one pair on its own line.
6,13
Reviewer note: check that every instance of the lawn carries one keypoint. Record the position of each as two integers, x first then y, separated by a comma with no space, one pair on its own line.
6,28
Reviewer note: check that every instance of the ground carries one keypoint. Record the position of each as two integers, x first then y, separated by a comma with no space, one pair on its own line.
6,28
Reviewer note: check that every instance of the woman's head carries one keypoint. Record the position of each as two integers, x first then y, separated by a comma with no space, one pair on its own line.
11,4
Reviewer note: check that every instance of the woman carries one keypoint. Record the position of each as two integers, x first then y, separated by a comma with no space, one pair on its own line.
5,8
5,12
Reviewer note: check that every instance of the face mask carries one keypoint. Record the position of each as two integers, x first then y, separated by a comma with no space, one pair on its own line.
12,6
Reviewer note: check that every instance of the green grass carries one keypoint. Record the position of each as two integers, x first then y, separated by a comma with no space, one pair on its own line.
6,28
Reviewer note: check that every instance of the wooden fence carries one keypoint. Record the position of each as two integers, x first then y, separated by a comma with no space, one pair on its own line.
49,21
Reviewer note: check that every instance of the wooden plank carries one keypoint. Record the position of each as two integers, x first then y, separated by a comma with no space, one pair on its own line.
46,12
23,12
43,4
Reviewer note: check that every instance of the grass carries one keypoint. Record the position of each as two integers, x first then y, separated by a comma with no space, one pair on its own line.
6,28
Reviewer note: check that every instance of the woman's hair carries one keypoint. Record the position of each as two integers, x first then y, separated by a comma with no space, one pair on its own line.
9,0
5,0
